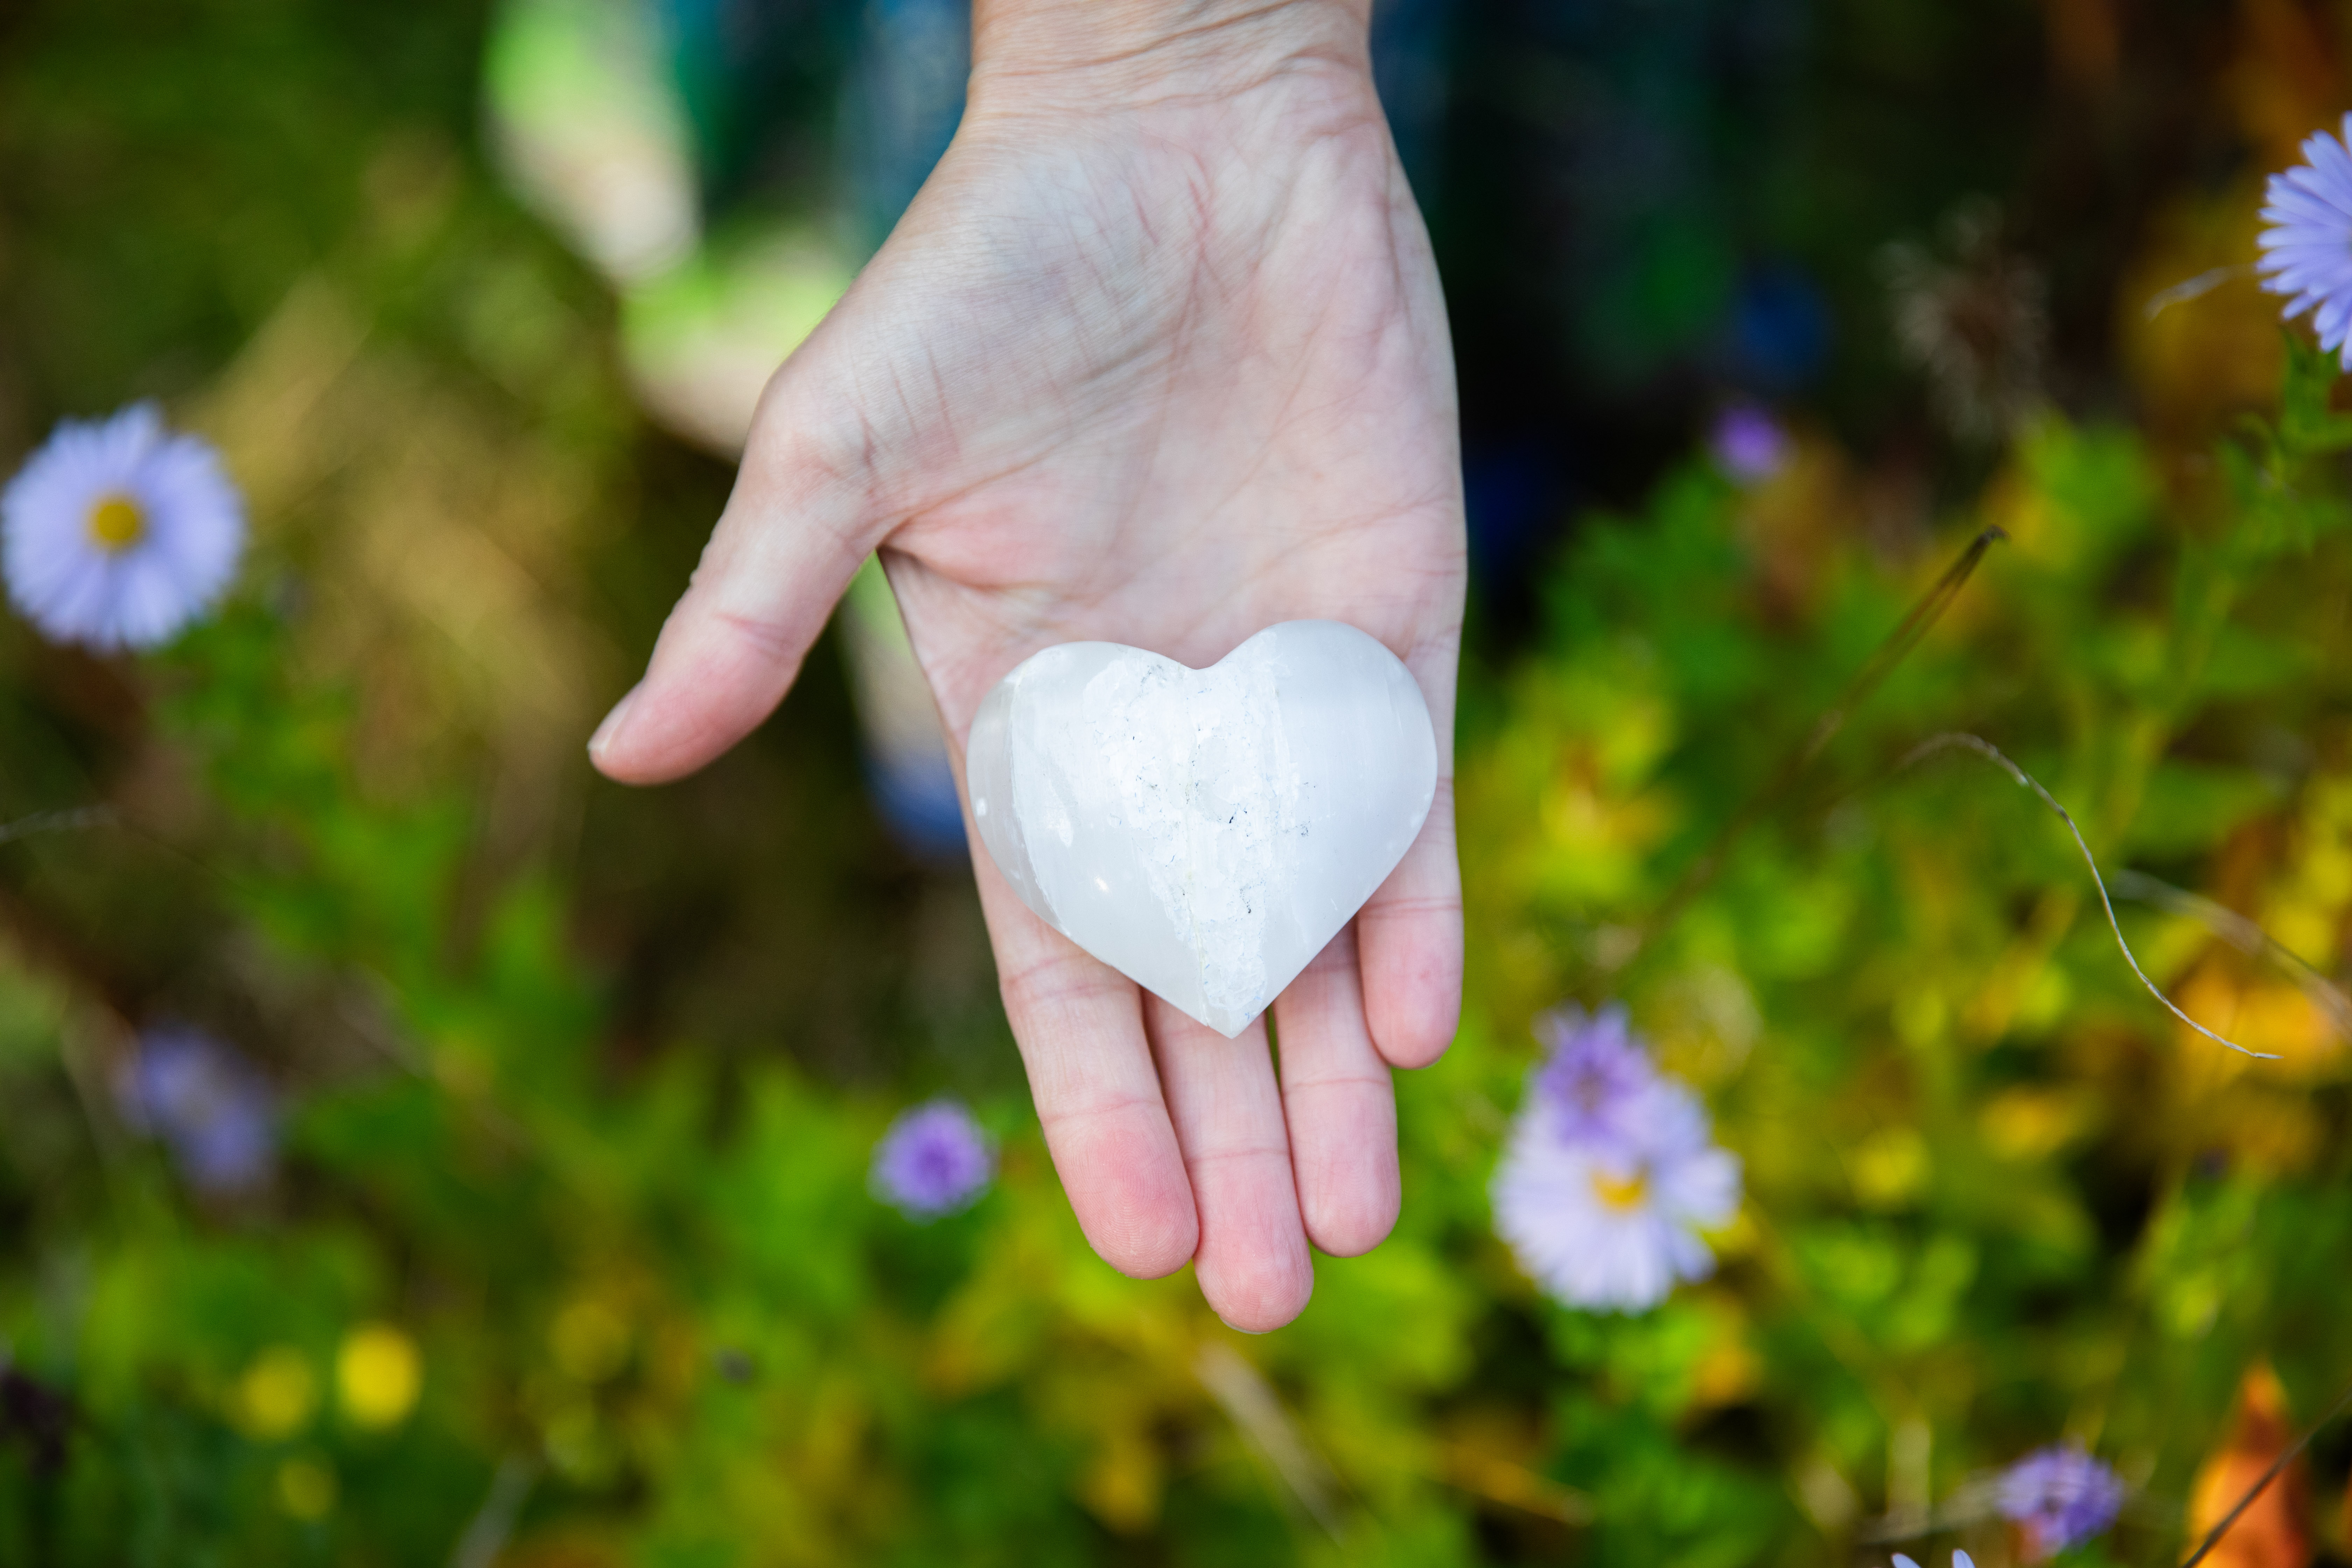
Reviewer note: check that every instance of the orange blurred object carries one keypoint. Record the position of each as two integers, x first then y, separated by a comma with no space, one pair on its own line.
2273,1531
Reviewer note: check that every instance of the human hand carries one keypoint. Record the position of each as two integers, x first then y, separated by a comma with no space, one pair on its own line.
1157,356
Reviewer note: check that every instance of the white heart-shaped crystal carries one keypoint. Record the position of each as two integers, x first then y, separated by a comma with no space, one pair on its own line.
1204,832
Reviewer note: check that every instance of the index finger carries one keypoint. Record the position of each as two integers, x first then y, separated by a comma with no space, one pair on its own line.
1079,1025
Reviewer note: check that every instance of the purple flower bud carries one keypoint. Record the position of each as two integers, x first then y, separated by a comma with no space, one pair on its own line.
205,1103
1748,444
1594,1076
2060,1496
934,1161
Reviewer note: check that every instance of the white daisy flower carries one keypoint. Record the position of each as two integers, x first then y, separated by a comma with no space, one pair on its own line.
1613,1225
2306,240
117,532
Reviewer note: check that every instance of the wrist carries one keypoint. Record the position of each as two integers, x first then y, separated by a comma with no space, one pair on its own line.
1118,54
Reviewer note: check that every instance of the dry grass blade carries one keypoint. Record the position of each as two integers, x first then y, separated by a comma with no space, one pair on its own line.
2242,934
1959,741
1256,1409
65,821
1907,636
2196,288
493,1524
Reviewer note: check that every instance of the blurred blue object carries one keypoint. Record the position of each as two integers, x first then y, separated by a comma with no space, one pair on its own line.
907,775
916,799
206,1104
902,103
1411,48
1511,490
1779,329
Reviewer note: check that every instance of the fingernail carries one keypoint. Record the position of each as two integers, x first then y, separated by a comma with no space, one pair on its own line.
613,722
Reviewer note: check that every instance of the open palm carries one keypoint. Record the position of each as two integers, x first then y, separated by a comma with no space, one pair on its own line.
1161,370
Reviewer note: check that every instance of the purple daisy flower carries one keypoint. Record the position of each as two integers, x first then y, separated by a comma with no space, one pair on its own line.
1612,1224
205,1103
1960,1559
117,532
1594,1075
2307,246
2059,1495
1748,444
934,1161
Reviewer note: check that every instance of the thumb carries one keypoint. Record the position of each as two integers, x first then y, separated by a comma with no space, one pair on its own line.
808,507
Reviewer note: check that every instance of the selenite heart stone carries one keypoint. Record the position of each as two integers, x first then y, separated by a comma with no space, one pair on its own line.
1204,832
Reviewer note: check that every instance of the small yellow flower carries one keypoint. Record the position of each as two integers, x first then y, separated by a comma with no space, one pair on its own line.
276,1394
1891,1167
306,1487
590,1341
377,1375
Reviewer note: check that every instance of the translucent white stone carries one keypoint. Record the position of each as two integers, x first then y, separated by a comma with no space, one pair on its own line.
1204,832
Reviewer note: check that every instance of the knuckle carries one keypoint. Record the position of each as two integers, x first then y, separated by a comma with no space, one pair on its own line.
768,640
1057,982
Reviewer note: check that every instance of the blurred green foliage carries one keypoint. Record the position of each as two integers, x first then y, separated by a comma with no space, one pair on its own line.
569,1259
1995,1195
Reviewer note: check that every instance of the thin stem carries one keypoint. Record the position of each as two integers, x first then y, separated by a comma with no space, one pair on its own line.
1993,753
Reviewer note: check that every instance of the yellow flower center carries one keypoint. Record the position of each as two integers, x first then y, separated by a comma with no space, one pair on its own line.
1619,1193
116,523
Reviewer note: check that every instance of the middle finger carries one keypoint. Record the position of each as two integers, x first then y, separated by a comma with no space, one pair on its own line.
1252,1262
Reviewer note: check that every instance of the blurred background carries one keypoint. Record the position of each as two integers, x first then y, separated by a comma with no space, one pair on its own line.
414,1150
